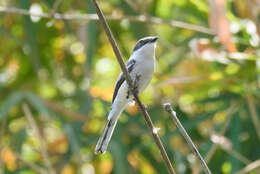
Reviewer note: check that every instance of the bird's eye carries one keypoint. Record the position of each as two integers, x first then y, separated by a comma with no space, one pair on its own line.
143,42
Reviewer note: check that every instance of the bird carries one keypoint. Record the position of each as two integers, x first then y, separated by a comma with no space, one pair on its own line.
140,66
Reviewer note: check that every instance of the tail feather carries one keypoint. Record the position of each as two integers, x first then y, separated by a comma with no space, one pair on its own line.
103,141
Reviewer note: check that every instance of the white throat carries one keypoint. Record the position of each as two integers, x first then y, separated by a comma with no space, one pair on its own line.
147,50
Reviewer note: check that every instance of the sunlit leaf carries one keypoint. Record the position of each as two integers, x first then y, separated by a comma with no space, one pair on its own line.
9,158
68,169
219,22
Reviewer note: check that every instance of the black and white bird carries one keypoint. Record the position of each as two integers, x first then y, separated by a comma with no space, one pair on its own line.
141,67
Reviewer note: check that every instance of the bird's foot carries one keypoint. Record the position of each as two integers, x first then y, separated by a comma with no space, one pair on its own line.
145,106
128,94
135,86
136,81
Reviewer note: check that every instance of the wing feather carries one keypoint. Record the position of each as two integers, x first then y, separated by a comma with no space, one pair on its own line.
130,65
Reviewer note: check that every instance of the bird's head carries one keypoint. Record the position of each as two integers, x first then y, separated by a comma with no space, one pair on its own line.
145,46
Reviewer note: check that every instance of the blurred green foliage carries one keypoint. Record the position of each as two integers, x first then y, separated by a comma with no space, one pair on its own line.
65,71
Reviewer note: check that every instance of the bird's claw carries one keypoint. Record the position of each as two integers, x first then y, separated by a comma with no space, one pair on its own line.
135,85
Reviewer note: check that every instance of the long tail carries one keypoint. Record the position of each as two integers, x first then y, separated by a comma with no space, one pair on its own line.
106,136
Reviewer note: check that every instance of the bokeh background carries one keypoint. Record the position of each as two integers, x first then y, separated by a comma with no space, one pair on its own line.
57,79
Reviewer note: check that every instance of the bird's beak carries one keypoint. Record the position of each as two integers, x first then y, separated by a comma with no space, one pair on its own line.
154,39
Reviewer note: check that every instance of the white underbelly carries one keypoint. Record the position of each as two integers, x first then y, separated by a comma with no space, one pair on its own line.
145,71
145,82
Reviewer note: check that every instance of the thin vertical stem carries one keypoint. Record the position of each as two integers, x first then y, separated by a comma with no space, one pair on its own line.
168,108
253,114
36,130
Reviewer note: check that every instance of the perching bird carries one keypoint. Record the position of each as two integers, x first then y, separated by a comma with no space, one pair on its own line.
141,68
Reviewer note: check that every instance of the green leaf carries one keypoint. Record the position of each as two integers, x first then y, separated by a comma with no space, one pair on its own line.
119,151
31,36
9,102
73,139
92,33
236,128
18,139
37,103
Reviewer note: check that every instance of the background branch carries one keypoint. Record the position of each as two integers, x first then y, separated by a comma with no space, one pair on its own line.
35,167
87,17
252,166
55,106
36,130
129,82
231,110
225,144
253,114
55,7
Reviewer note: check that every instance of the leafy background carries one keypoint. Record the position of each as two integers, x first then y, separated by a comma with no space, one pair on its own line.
61,73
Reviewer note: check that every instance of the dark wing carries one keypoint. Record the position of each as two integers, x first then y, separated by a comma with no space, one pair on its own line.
121,78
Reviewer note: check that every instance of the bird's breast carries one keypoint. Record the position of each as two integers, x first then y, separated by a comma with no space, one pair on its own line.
144,69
